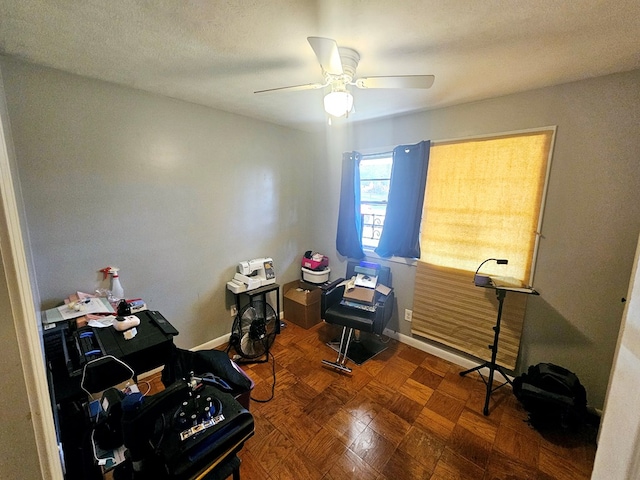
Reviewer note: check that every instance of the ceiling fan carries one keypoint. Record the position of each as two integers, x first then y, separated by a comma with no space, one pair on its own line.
339,69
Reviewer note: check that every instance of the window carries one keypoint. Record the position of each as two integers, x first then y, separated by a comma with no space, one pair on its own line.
483,200
375,175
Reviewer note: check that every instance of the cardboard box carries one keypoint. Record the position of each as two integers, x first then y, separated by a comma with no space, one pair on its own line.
360,294
301,303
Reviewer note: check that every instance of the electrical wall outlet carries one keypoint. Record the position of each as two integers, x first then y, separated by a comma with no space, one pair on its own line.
234,310
408,314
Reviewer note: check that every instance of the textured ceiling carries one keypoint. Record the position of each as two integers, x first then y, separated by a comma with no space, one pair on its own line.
217,53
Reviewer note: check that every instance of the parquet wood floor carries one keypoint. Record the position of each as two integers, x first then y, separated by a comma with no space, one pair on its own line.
405,414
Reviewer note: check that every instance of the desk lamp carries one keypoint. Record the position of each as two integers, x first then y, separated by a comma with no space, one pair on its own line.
483,280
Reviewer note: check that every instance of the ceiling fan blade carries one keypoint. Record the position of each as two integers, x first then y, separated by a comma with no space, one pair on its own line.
326,49
398,81
308,86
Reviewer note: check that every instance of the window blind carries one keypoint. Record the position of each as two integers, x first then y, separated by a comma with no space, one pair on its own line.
449,309
483,200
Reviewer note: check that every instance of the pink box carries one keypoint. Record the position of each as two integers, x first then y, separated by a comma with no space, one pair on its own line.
315,264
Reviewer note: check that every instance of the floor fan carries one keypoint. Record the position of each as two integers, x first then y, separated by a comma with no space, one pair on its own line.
254,331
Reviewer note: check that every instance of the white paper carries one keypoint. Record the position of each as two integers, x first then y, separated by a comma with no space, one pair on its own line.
102,322
94,305
366,281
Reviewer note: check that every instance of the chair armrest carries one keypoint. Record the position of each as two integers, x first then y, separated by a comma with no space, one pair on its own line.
331,297
384,310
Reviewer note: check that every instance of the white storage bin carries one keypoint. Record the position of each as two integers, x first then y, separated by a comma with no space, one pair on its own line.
312,276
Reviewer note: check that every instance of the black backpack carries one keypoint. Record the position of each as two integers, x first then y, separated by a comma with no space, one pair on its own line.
552,395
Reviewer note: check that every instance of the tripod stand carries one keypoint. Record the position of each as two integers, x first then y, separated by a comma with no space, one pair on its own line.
501,292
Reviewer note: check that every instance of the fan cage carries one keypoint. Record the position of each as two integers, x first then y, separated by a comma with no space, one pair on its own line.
253,332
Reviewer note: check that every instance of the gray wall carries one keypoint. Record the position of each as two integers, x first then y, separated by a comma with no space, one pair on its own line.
172,193
592,215
176,194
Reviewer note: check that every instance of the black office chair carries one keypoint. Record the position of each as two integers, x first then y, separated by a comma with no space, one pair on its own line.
354,346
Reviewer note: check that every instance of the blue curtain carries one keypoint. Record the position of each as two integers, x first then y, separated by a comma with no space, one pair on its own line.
401,231
348,238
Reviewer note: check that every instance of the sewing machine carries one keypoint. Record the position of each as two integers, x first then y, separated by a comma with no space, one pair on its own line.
252,274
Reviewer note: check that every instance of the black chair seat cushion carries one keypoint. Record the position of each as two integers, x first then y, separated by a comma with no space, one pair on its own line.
351,317
371,322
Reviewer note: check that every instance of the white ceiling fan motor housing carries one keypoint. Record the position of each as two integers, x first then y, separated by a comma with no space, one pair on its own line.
350,59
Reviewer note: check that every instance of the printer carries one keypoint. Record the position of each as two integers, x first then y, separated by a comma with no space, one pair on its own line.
252,274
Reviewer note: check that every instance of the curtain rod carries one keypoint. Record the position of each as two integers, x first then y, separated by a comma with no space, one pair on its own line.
378,154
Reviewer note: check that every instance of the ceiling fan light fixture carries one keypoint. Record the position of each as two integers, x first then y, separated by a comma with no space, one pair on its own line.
338,103
338,65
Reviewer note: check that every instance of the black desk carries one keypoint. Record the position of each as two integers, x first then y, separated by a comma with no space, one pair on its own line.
149,349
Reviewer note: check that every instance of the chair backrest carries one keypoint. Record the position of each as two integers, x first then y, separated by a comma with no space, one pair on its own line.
384,277
103,373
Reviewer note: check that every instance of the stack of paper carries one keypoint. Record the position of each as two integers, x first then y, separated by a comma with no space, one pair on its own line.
366,281
90,305
367,274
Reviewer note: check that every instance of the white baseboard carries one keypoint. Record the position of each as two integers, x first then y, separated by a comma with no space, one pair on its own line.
447,355
216,342
149,373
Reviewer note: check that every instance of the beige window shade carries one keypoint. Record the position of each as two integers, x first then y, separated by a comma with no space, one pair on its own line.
450,309
483,200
